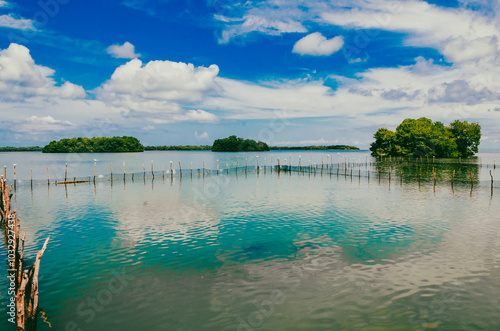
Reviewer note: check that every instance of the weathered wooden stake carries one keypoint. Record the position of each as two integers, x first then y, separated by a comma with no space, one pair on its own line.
180,168
66,172
31,175
94,168
15,175
124,172
171,169
48,181
111,170
152,169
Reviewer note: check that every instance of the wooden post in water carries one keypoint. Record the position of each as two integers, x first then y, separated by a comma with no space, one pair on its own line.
163,170
300,163
111,170
95,164
236,167
152,169
203,168
65,172
31,175
453,177
191,168
279,166
246,165
257,157
180,168
48,181
171,170
124,172
15,164
491,179
217,167
227,167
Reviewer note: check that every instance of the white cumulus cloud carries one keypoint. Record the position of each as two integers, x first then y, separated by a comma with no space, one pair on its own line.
201,136
316,44
161,89
22,78
125,51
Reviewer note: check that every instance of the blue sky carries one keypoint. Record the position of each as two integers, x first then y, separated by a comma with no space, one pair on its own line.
288,72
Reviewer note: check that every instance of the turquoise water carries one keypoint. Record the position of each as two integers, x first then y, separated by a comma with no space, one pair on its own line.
264,251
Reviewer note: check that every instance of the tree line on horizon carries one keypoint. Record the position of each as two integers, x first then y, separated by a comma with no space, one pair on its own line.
130,144
422,137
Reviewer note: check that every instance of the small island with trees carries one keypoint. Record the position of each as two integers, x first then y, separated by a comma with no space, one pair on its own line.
422,137
95,145
235,144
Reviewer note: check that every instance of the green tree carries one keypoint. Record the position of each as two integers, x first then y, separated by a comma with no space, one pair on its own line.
467,135
384,142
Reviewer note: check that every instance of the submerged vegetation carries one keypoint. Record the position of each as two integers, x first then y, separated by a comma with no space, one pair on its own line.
422,137
319,148
235,144
95,145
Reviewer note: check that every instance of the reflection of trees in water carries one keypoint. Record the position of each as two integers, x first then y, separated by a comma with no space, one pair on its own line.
422,170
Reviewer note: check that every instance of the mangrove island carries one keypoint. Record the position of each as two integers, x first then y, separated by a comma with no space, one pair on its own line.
421,137
95,145
235,144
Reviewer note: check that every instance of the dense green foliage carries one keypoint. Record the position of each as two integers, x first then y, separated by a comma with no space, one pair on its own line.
21,149
178,148
321,148
95,145
234,144
422,137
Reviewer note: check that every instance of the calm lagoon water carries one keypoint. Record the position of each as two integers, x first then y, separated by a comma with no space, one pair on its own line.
263,251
